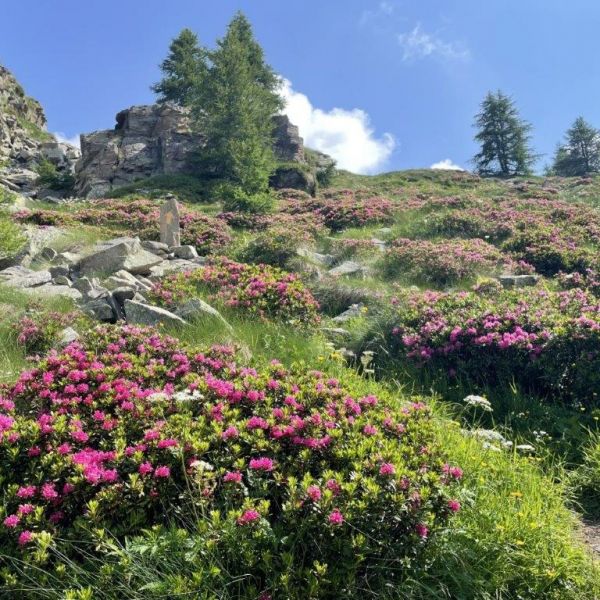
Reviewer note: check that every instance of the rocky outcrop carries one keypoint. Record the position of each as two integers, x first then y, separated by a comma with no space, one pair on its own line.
158,140
24,141
288,145
146,141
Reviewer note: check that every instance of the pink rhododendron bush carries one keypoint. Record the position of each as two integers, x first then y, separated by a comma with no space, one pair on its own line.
263,290
444,261
549,341
139,218
344,209
550,235
285,469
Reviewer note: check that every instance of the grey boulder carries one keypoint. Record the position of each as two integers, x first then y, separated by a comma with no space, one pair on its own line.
138,313
125,255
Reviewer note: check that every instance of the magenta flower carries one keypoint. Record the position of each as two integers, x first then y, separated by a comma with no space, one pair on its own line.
422,530
25,537
232,477
49,491
333,486
454,505
168,443
12,521
162,472
314,493
369,429
26,491
230,432
336,517
145,468
261,464
25,509
248,517
387,469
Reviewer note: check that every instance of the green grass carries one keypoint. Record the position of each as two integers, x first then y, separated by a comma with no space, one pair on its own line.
33,131
13,304
514,537
186,187
11,237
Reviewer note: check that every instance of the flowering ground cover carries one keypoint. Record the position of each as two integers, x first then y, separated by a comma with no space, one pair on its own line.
139,218
135,464
287,468
344,210
265,291
546,340
443,262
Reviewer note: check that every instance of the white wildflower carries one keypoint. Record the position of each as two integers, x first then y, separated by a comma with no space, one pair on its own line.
478,402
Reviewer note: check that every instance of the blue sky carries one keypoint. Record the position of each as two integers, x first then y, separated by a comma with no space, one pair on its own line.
383,85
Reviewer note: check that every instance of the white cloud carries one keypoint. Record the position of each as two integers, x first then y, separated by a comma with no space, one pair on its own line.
446,165
346,135
417,44
62,137
383,9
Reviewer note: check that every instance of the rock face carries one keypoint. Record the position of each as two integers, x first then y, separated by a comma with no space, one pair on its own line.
157,140
24,141
288,145
147,140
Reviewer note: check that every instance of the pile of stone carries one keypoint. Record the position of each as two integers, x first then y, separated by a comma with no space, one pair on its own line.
110,282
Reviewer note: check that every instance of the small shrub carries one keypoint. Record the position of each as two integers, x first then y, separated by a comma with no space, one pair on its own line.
11,238
442,262
37,330
345,210
288,470
546,341
49,177
235,198
263,290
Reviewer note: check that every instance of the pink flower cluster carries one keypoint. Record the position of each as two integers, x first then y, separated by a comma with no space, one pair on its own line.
99,432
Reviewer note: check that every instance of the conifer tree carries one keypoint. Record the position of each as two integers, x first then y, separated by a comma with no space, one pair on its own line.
580,154
183,70
504,138
234,110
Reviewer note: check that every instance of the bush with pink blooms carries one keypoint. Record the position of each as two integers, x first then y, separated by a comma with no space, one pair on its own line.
37,330
265,291
139,218
548,341
345,210
285,470
443,262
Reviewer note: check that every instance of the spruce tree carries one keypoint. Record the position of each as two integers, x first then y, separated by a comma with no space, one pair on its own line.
234,111
504,138
580,154
183,70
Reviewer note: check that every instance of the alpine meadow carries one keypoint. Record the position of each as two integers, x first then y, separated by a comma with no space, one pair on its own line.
231,367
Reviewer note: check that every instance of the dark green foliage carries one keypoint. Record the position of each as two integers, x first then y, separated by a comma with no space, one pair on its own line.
322,165
52,179
183,70
580,153
234,110
504,138
185,187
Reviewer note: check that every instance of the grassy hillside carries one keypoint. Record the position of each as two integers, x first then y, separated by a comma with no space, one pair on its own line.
443,439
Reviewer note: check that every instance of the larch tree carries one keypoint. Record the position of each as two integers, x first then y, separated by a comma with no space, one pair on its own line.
503,137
